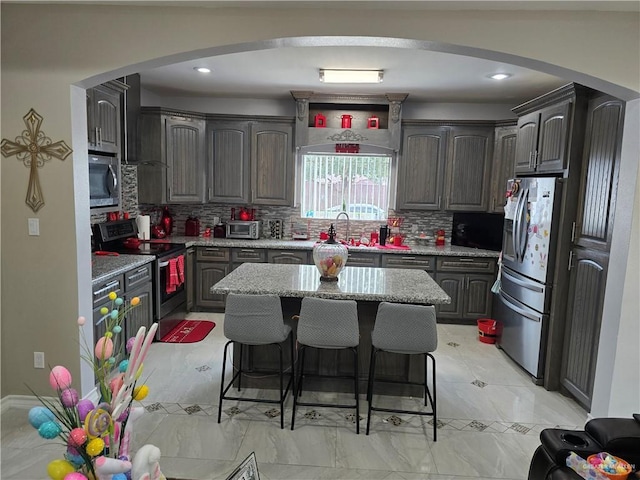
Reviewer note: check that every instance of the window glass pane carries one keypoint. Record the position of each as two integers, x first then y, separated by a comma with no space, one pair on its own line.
357,184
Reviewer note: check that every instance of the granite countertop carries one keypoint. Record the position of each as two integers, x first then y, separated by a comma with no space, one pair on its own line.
447,250
104,267
354,283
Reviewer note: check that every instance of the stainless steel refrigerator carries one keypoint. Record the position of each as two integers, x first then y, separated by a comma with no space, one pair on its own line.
528,255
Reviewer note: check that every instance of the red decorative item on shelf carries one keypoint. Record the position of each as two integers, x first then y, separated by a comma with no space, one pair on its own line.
320,121
373,122
244,215
440,238
346,121
167,221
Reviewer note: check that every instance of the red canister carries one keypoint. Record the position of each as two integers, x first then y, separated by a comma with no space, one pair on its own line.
373,122
346,121
320,121
192,227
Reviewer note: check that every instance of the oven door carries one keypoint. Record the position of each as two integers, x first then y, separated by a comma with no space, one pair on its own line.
170,288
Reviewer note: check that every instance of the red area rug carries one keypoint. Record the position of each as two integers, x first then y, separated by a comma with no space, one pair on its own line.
189,331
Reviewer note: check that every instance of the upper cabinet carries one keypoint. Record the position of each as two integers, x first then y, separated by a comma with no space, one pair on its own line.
104,117
468,165
272,169
599,182
550,130
228,161
250,160
348,119
172,156
421,167
504,153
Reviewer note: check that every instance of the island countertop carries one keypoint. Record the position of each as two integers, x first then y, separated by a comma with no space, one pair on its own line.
354,283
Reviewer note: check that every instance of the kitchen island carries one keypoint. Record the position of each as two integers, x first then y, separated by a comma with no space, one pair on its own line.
368,286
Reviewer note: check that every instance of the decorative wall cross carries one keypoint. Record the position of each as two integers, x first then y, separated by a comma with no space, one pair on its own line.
33,148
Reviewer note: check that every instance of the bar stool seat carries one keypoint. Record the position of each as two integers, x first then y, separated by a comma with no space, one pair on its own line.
327,324
255,320
407,330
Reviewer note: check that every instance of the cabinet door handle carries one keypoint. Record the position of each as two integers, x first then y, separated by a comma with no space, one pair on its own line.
535,158
531,159
570,265
573,232
439,201
466,260
210,193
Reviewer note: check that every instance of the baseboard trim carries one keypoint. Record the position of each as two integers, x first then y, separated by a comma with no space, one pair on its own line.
27,402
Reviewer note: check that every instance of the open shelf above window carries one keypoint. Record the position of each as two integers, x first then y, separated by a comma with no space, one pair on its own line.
363,119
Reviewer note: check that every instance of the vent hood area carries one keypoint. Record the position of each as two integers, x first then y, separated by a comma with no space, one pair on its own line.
373,120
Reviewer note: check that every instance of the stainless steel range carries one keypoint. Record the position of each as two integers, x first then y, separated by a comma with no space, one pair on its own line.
169,290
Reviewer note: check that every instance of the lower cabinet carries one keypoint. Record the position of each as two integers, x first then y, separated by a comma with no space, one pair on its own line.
247,255
212,265
361,259
468,282
142,315
298,257
189,267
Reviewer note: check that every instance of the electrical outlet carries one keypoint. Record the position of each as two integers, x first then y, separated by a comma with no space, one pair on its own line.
38,359
34,228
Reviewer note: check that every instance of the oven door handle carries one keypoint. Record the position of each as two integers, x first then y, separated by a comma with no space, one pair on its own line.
163,264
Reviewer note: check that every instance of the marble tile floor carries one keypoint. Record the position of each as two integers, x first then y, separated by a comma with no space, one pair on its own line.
490,415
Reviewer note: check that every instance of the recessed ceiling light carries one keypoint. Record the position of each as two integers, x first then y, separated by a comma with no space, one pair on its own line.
202,69
500,76
350,76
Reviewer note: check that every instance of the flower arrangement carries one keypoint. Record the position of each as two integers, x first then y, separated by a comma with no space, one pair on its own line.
97,436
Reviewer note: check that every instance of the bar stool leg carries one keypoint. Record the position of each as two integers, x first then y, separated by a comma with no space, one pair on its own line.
372,368
240,368
298,386
433,400
303,349
356,381
224,363
281,388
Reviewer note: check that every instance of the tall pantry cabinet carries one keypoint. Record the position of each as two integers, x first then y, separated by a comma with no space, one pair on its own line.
591,242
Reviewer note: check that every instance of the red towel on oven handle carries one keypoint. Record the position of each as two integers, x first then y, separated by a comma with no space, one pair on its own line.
180,267
172,276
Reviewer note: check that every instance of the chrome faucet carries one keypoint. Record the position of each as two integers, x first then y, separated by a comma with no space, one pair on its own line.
346,237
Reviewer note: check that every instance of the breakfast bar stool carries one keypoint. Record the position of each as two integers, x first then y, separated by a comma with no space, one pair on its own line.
255,320
408,330
327,324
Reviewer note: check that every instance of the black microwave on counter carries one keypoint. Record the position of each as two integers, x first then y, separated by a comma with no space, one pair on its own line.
477,230
104,183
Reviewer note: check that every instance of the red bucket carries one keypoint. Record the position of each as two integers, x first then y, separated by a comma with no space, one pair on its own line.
489,330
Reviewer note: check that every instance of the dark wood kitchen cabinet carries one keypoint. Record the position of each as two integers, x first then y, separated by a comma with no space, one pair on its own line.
598,187
189,276
104,122
247,255
212,265
468,165
172,157
138,283
100,297
468,282
583,320
272,168
298,257
228,161
550,131
421,167
503,166
589,256
142,315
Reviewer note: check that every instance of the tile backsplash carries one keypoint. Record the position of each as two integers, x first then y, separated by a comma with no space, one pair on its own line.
414,221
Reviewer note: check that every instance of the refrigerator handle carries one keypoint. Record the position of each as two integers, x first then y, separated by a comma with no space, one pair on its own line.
522,225
534,287
519,310
516,227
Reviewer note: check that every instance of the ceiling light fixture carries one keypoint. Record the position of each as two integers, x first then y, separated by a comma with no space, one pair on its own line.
202,69
350,76
500,76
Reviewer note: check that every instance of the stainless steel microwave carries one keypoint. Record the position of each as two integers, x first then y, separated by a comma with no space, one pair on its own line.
247,230
104,183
